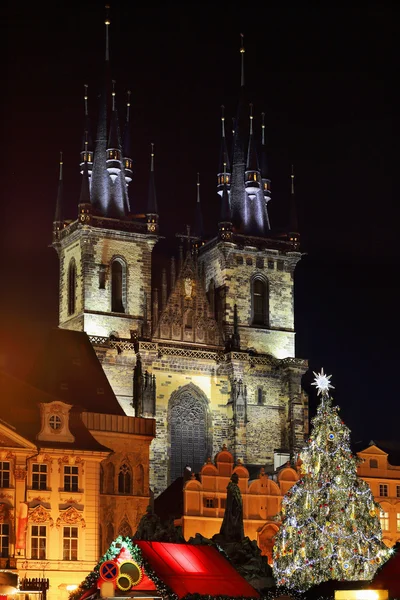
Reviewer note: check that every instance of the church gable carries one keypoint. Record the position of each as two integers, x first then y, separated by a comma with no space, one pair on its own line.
187,316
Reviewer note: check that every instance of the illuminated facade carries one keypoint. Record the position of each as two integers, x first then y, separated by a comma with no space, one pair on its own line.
209,349
204,500
384,481
70,481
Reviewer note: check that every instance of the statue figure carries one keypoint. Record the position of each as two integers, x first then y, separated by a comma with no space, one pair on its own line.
232,525
148,525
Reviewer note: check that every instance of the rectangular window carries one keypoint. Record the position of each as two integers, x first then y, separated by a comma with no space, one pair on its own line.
70,543
383,489
271,264
260,263
39,476
398,522
384,519
38,542
397,491
71,479
280,265
4,474
209,502
4,539
239,260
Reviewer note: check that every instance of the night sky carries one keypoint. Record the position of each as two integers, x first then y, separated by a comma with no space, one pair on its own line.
324,78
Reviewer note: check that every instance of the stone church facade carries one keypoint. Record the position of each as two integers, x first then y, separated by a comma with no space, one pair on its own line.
208,349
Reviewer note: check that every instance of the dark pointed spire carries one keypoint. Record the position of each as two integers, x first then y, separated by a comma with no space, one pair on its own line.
126,141
100,188
59,217
294,235
84,197
198,227
152,198
225,220
224,163
87,143
252,158
265,176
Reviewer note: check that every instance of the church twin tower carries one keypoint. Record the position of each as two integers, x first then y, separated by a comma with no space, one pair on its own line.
211,357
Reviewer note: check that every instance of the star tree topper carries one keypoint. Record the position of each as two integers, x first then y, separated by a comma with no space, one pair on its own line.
322,382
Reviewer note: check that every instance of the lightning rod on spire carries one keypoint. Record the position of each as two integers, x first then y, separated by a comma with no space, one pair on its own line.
107,24
152,157
128,105
242,51
223,120
113,94
198,187
85,98
61,166
263,129
251,118
292,180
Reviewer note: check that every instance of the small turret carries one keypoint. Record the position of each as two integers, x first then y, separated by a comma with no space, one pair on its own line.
152,210
252,174
265,176
114,153
58,223
225,220
293,233
224,175
87,143
126,143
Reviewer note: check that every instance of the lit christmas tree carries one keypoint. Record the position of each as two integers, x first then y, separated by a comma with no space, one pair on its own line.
330,526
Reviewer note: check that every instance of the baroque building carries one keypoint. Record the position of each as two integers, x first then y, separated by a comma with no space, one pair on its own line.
209,350
73,467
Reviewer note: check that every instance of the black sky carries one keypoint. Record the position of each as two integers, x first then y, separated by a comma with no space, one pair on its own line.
325,78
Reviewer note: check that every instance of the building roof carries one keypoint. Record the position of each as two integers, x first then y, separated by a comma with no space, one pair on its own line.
198,569
20,410
391,447
69,369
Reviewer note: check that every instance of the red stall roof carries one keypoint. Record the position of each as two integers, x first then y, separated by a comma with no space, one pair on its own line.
195,569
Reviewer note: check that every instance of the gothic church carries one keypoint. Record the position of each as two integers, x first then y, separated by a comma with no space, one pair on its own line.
212,356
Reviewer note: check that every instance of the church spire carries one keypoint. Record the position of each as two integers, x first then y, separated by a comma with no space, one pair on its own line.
242,51
265,177
198,226
84,197
152,210
59,217
252,167
224,164
126,142
87,144
225,220
293,234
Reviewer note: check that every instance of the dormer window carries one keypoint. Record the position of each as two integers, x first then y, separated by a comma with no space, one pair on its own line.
55,422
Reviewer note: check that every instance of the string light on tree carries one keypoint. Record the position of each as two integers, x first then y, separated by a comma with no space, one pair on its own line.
330,526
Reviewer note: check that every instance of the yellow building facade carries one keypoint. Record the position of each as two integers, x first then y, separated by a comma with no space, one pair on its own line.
384,481
70,481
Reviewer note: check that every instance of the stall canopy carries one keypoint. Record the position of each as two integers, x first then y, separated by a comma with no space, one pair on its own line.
187,568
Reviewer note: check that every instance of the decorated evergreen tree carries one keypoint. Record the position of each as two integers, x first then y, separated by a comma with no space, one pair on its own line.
330,526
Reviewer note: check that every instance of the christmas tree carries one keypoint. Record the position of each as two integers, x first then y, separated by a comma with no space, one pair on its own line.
330,526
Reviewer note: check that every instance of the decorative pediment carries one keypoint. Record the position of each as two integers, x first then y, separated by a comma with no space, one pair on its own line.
71,516
187,316
40,515
55,422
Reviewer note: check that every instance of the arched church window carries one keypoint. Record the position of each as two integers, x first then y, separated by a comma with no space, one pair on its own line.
188,422
124,479
260,302
118,286
71,286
